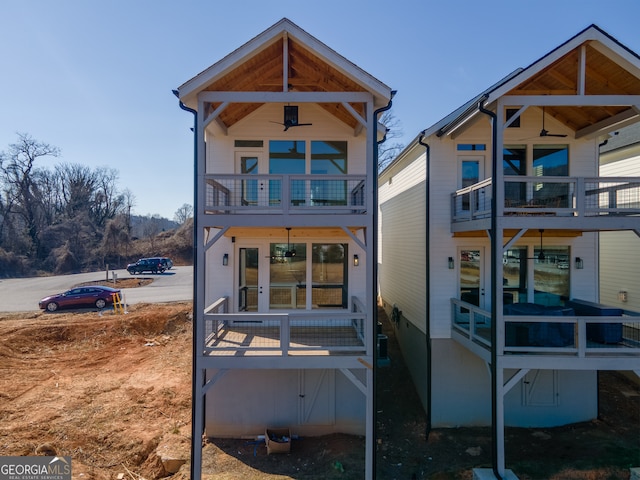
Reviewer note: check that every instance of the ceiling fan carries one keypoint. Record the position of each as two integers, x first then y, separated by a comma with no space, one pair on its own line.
545,133
291,118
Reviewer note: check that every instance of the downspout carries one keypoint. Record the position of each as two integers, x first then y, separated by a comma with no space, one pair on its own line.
374,273
427,280
195,434
494,280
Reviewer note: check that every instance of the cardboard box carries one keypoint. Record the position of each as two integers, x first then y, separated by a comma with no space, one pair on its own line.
278,440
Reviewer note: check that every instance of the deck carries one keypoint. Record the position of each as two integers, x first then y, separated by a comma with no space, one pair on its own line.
568,341
321,332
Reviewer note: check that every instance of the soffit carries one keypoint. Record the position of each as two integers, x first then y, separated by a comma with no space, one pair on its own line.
264,72
602,76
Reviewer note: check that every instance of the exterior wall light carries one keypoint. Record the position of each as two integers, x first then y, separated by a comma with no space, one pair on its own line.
579,263
225,259
451,264
356,260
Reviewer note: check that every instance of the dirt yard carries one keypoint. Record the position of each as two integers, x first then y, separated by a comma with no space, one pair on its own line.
114,393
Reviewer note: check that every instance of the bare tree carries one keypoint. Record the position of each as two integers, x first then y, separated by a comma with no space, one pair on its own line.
22,193
390,148
183,213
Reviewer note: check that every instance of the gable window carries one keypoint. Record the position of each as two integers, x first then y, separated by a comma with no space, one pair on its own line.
509,113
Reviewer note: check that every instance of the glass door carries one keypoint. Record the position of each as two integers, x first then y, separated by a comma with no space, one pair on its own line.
249,290
471,172
253,192
471,277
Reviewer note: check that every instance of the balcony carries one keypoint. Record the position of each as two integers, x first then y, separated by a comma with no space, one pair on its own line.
549,332
578,197
320,333
285,194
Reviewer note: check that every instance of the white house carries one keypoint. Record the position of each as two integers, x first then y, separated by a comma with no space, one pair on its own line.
286,135
489,224
619,252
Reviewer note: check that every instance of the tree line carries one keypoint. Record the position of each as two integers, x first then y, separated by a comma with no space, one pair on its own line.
63,217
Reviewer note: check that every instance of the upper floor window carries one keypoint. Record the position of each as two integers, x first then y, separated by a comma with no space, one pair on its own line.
550,160
509,113
287,157
470,147
328,157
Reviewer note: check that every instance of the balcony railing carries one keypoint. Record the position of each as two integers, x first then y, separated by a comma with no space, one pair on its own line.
256,333
556,196
301,194
580,336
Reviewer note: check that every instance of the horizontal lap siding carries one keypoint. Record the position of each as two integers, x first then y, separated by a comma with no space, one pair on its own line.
402,243
620,251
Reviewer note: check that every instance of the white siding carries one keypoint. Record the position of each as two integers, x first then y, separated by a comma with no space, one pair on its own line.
620,251
402,242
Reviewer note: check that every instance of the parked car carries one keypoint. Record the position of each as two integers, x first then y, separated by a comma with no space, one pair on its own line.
153,265
79,297
165,261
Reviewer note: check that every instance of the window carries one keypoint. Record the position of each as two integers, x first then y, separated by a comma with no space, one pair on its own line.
550,278
514,162
287,275
550,275
328,158
288,285
466,147
551,160
287,157
248,143
328,275
509,113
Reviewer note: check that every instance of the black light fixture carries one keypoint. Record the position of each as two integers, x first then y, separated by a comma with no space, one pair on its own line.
579,263
291,118
290,252
356,260
290,115
541,256
225,259
450,263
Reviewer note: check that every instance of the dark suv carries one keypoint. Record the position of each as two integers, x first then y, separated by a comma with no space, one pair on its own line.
152,265
165,261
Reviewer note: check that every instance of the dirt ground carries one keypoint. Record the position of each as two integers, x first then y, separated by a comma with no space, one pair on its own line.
114,393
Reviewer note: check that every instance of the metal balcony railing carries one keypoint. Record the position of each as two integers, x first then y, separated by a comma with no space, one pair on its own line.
278,194
555,196
580,336
322,331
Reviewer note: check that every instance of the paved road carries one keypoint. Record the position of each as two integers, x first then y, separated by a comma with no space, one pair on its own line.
23,294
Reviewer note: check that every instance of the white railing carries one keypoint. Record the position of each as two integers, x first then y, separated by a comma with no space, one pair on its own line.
580,336
333,331
558,196
302,194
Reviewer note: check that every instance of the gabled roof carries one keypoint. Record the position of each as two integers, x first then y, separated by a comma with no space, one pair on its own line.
592,63
257,66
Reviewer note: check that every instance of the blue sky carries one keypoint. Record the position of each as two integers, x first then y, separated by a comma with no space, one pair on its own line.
95,78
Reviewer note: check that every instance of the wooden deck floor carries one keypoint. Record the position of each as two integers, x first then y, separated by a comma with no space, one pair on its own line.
265,340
